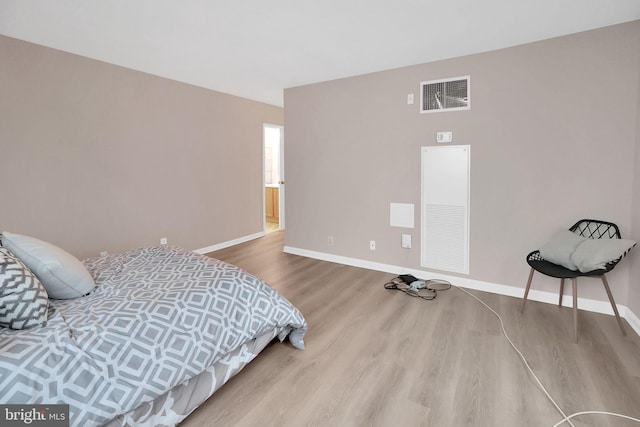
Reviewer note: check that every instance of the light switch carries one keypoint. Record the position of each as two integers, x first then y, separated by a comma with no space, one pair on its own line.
444,137
410,99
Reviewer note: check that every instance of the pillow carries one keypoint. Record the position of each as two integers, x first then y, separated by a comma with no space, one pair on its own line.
595,254
560,248
23,299
62,274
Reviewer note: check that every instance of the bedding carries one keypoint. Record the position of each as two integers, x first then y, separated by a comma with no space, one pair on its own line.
157,318
176,404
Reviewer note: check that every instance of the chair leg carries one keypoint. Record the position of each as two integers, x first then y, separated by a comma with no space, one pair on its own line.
561,292
613,304
526,291
574,284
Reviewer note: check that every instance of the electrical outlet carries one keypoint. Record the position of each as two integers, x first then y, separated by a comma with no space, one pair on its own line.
163,241
103,253
330,240
372,245
406,241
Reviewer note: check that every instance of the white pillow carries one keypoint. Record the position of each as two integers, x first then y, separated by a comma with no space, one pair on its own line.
595,254
560,248
62,274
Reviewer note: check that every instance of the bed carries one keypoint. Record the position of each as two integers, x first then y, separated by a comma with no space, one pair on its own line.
160,332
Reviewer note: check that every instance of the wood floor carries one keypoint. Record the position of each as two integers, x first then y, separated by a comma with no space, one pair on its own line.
272,226
376,357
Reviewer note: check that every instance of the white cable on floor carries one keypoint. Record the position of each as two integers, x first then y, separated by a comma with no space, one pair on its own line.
524,360
613,414
566,419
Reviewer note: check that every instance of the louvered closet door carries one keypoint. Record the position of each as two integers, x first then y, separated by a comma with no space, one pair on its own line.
445,208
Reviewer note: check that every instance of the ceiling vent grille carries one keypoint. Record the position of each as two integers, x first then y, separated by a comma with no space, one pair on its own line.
451,94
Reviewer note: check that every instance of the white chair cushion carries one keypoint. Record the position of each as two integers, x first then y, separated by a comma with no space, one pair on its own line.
559,249
595,254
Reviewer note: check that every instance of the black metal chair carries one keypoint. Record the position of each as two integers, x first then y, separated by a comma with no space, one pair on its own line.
592,229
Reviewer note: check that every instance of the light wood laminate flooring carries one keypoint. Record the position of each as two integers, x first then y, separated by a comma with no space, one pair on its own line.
376,357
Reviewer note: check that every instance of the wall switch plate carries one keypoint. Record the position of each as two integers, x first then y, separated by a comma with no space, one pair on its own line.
410,99
406,241
372,245
163,241
444,137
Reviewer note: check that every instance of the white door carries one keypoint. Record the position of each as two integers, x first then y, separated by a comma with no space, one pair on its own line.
273,166
281,181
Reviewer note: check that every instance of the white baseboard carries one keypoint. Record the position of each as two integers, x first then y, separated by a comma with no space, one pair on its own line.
542,296
229,243
631,318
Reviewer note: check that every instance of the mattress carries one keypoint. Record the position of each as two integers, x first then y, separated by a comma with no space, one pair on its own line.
157,318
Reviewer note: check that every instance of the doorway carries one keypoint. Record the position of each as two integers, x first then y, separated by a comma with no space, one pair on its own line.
273,177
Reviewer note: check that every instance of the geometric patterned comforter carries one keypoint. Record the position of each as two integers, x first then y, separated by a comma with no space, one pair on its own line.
157,317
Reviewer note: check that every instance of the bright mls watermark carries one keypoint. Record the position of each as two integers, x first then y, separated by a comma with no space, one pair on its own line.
34,415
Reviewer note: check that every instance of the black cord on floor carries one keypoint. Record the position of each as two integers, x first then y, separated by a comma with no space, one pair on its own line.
428,292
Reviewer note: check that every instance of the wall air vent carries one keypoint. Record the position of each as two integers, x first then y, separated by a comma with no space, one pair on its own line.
446,181
451,94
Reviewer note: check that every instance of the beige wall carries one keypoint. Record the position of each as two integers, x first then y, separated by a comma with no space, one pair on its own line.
634,278
98,157
552,129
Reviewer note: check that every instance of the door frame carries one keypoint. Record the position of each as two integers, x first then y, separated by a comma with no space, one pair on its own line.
281,185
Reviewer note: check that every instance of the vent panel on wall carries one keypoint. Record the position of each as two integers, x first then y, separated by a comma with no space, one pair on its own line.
445,208
445,95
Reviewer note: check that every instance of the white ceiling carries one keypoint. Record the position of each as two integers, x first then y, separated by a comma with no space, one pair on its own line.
256,48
